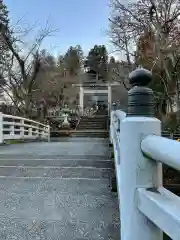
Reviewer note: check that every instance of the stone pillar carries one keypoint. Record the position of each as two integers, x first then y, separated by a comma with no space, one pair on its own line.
136,171
140,97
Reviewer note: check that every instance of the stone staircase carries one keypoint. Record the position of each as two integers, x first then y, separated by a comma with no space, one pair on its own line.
96,126
58,190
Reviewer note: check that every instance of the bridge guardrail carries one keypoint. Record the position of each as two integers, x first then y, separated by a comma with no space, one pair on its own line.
14,127
147,209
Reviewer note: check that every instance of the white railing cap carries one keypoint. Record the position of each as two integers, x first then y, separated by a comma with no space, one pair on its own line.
162,149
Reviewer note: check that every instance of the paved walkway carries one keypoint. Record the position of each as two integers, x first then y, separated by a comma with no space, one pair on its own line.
57,191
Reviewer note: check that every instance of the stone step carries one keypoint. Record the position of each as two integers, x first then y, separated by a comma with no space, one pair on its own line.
56,172
57,163
46,206
92,136
91,130
91,127
67,229
51,209
96,116
61,192
92,123
83,140
59,157
100,136
93,120
95,129
64,186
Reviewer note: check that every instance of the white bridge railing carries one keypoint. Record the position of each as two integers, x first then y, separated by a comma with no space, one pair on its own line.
13,127
147,209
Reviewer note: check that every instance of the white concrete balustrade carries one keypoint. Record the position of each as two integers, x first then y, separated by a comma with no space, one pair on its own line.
13,127
146,208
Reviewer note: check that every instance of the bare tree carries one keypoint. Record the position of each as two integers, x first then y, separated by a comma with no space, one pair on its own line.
119,33
20,70
151,27
49,88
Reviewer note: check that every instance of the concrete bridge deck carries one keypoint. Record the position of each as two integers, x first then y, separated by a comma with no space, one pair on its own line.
57,191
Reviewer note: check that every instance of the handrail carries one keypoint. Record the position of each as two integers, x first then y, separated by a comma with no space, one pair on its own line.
21,118
162,149
22,128
161,209
146,208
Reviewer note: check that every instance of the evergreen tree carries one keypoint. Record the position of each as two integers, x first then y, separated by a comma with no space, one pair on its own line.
97,60
73,59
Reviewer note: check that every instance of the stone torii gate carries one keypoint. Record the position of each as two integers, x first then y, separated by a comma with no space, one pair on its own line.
94,89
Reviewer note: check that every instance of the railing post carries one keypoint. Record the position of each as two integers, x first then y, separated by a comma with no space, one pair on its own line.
22,128
136,170
12,132
37,132
1,128
39,136
30,132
